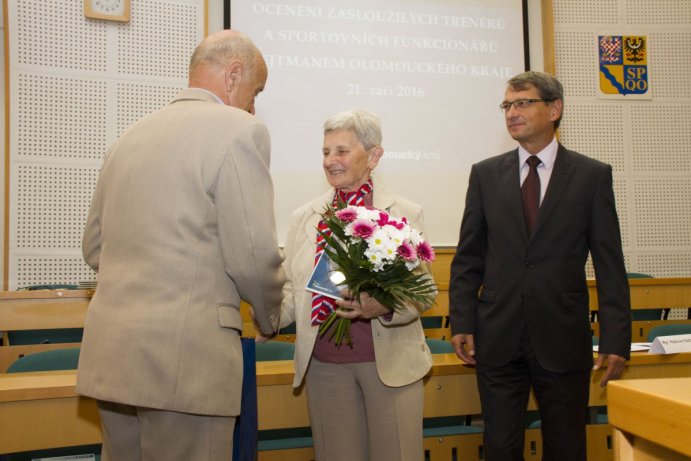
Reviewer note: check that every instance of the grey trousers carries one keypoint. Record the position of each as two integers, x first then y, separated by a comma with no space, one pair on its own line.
145,434
355,417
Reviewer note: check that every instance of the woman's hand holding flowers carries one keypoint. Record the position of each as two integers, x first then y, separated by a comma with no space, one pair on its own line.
366,308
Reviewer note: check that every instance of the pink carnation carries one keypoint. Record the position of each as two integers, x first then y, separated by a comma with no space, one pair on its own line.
346,214
363,228
425,251
396,224
406,251
385,220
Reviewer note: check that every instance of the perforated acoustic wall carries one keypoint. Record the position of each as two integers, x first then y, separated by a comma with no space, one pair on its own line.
75,84
648,143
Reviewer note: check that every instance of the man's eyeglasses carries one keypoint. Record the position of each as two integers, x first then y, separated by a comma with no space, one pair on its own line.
520,103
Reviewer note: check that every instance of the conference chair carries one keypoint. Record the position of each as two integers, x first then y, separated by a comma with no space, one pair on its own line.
53,336
50,360
38,320
640,314
669,330
274,350
439,346
287,333
450,437
289,444
432,322
435,320
646,314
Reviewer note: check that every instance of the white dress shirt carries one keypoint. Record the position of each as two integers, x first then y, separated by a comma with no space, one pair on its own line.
547,156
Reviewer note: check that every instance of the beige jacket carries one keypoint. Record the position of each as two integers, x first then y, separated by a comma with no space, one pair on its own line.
181,228
401,353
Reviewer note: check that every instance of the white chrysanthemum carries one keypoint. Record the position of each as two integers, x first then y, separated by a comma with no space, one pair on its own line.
376,258
367,213
378,240
397,236
415,237
381,242
410,265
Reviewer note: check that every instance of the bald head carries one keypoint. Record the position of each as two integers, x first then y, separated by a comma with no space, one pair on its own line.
229,65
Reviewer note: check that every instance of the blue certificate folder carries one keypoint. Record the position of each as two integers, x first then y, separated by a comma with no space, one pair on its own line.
325,277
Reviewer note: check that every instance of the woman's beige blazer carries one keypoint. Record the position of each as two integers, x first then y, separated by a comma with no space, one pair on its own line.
402,355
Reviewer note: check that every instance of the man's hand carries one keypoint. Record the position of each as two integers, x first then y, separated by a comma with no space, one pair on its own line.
367,308
259,337
464,345
615,366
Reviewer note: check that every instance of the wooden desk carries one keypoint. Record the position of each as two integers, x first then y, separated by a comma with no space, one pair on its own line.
652,293
649,293
40,410
651,419
39,310
643,366
43,309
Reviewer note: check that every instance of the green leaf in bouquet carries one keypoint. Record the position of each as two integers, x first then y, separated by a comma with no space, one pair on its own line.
340,329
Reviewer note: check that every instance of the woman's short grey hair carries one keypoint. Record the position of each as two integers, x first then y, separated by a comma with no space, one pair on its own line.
546,84
362,122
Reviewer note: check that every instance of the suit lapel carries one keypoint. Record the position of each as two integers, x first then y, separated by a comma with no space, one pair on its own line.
563,169
511,184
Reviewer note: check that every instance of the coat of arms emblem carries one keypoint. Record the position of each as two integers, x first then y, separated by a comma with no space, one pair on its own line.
624,65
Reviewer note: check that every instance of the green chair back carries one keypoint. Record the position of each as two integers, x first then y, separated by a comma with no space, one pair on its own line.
669,330
274,350
53,336
432,322
50,360
439,346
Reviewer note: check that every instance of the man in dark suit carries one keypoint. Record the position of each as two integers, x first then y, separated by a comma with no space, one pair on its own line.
518,293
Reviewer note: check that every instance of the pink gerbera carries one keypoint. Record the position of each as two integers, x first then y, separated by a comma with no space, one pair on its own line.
363,228
406,251
425,251
383,219
346,214
396,224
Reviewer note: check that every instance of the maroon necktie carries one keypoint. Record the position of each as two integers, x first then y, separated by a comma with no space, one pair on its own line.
530,192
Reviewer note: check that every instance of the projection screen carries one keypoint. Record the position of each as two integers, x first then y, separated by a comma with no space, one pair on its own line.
434,71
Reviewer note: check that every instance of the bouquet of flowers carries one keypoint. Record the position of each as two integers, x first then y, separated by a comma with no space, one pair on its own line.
379,254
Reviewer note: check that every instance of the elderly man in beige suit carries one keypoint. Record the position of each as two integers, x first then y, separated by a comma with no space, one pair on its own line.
181,228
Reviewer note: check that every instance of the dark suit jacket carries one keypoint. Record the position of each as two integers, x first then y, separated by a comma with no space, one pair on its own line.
502,280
